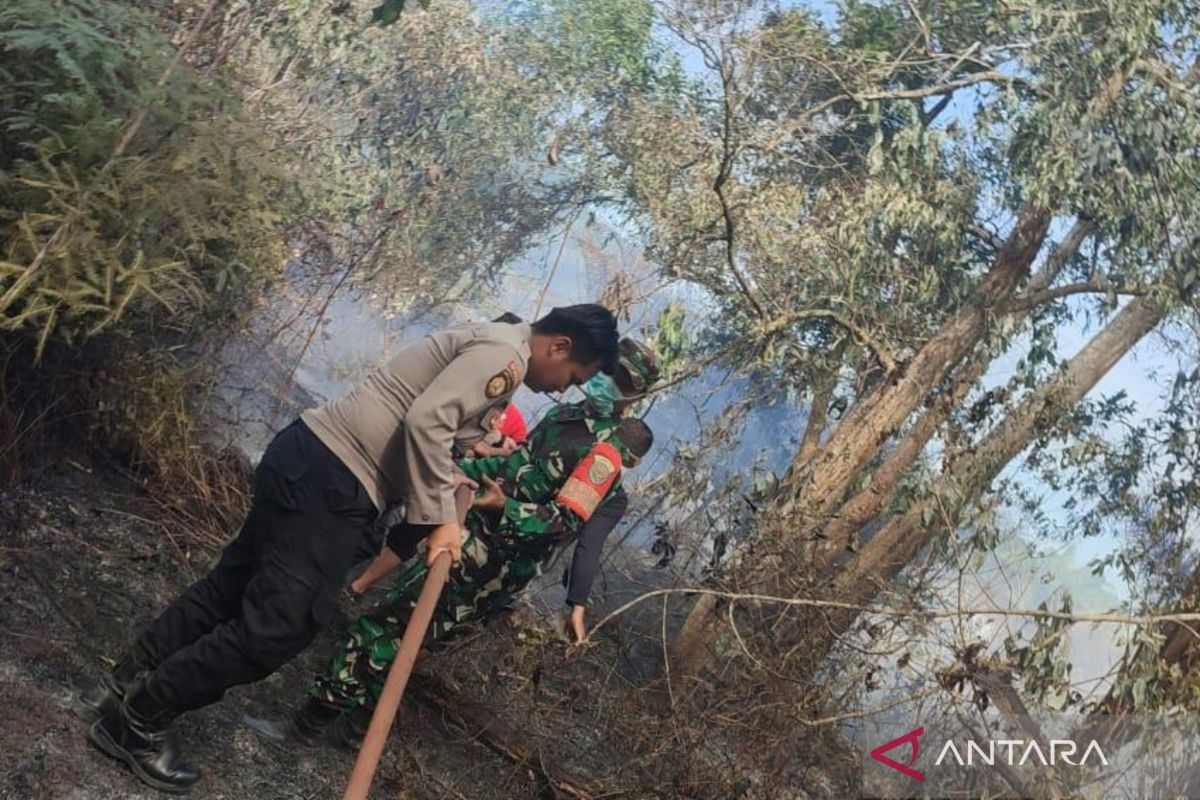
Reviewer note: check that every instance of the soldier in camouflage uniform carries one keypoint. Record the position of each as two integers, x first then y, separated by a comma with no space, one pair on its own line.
536,500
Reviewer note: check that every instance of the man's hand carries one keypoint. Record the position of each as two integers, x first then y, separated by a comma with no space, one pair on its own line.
445,538
578,629
384,563
492,499
506,447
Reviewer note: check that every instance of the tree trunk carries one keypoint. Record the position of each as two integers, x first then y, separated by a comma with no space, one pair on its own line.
818,413
866,505
691,649
894,547
822,483
842,530
816,485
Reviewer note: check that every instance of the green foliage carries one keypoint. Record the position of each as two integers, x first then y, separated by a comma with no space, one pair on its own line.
172,230
608,44
138,214
1044,673
855,186
876,30
445,142
1133,477
389,11
670,340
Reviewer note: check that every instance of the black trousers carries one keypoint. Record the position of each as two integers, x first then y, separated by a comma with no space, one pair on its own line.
276,584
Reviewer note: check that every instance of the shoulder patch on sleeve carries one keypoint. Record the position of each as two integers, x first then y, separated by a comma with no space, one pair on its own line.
503,382
590,481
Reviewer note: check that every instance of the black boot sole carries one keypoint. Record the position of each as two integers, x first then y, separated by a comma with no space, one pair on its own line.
99,737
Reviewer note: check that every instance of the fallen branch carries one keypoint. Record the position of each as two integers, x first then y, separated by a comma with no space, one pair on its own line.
1033,613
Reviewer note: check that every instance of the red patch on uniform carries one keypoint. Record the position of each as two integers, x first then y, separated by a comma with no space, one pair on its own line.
590,481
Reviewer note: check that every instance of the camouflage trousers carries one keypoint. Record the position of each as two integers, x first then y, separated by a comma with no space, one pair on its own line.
483,584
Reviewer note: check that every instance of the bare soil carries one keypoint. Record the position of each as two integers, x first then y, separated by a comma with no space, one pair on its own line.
505,712
82,566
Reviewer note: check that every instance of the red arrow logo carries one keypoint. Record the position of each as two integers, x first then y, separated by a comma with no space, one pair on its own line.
911,738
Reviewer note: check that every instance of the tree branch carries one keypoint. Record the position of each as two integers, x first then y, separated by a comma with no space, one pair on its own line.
729,151
1030,300
981,233
987,76
772,327
928,117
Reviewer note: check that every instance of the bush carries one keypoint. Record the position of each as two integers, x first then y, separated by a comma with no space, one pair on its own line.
111,263
167,233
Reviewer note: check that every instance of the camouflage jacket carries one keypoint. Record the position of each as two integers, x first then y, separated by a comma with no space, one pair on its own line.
568,466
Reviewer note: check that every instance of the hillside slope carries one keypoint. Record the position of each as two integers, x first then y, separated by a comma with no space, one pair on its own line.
81,568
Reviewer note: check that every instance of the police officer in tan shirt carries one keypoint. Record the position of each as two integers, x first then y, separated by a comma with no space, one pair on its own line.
321,482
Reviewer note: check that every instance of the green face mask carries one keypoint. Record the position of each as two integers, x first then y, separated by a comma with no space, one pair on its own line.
602,393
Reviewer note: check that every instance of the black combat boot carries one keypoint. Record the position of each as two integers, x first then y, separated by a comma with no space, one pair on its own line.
310,724
349,729
91,704
138,732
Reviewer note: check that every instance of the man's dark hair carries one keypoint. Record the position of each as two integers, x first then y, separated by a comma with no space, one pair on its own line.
635,435
593,332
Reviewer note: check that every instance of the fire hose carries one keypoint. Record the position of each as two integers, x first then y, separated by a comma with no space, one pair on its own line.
393,689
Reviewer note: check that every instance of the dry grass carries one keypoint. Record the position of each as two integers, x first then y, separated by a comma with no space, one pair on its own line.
120,405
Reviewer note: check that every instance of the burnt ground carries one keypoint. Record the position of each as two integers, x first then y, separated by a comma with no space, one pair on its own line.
509,713
82,567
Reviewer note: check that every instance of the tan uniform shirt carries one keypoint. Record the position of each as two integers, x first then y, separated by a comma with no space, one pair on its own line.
395,431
